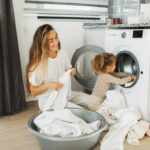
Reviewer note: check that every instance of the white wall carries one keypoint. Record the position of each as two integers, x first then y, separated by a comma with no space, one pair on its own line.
69,32
95,37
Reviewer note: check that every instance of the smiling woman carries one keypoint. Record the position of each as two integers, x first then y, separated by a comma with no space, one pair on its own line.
46,64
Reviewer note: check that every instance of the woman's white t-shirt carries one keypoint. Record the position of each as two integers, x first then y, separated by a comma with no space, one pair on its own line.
56,67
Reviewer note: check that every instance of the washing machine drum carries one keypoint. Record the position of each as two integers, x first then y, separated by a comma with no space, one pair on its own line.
127,62
81,60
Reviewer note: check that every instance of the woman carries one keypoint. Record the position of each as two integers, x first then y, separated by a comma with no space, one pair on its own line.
46,64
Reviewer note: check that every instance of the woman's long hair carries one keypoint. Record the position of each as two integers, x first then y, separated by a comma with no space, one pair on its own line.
38,52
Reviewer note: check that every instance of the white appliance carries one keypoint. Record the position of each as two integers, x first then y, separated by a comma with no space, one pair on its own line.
131,45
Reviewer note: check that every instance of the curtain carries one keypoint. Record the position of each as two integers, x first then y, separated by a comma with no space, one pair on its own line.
12,95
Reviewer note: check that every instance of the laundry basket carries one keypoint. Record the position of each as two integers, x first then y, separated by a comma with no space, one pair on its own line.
86,142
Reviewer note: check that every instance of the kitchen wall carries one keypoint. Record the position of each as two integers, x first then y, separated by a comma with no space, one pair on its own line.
70,34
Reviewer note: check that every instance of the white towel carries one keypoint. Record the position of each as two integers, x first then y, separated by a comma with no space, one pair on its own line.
122,120
138,131
64,123
114,139
58,99
114,101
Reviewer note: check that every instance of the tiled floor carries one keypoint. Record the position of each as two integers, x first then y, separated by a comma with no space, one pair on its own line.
14,134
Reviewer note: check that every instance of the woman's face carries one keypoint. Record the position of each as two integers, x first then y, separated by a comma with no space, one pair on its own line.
53,41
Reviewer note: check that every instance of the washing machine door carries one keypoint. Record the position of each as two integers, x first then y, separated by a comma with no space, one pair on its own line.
81,60
127,62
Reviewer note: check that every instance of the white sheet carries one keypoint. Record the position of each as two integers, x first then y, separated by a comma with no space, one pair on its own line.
113,102
58,99
114,139
64,123
122,121
138,131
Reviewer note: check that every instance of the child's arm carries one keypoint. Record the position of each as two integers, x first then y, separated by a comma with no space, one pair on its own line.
120,74
111,79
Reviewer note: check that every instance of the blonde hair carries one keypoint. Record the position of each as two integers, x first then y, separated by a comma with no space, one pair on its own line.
38,52
101,61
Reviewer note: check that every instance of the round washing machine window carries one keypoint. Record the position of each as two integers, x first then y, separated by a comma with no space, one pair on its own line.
127,62
81,60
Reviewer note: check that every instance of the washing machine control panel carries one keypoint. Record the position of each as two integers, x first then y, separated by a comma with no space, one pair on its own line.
137,33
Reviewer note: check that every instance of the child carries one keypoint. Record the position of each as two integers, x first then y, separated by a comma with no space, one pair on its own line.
104,65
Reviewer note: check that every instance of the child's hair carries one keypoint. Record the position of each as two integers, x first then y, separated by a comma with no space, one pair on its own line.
101,61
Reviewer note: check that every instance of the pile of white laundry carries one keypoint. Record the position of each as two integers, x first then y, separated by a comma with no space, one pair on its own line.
123,121
62,122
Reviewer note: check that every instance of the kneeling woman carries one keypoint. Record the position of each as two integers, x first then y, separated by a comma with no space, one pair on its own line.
46,64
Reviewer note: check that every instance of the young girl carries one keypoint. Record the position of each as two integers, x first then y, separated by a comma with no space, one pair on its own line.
104,65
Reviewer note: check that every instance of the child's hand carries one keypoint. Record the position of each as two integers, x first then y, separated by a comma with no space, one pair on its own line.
73,72
133,76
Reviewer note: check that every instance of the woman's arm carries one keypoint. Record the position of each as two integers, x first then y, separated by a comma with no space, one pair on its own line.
37,90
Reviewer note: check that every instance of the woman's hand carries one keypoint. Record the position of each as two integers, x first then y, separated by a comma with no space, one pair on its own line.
55,85
133,76
73,72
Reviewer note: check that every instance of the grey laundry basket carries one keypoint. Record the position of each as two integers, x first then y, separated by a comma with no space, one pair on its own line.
86,142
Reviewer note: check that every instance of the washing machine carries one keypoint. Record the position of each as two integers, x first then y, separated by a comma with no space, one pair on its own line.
132,48
81,60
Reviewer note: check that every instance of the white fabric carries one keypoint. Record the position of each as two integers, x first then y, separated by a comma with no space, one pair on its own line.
58,99
138,131
114,139
56,68
79,98
64,123
73,105
122,121
113,102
